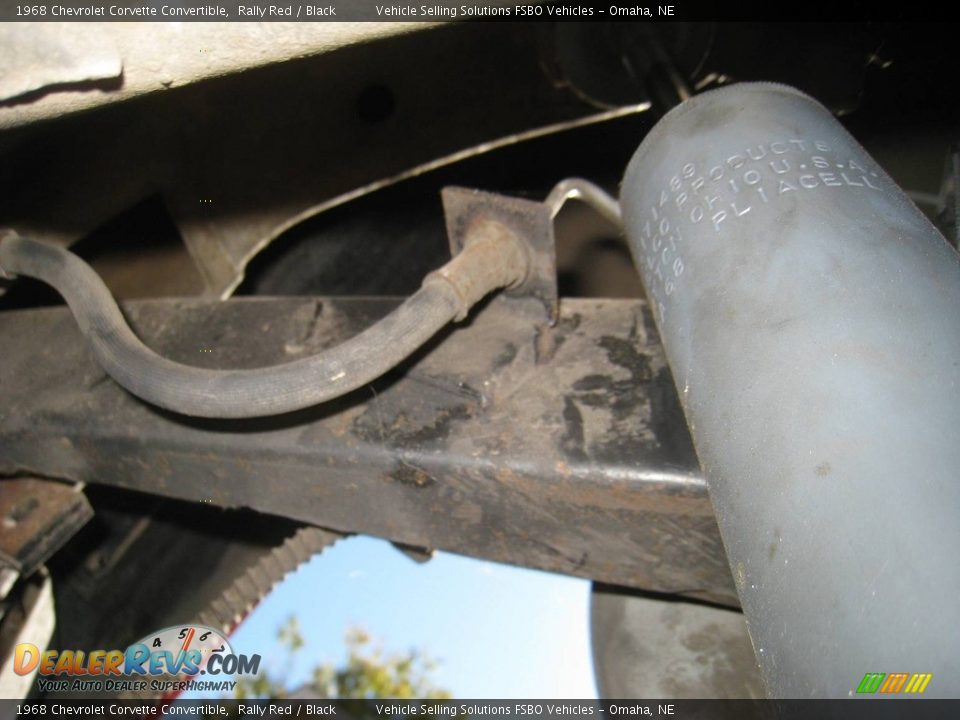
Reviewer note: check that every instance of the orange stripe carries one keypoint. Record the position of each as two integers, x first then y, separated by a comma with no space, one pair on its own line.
902,679
188,639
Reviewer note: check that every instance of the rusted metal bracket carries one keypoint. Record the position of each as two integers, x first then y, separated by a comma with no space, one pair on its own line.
37,517
531,221
570,457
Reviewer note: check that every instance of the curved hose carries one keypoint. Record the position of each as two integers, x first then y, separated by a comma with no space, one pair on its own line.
492,258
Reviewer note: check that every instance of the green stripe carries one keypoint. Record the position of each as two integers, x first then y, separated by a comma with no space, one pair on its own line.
871,682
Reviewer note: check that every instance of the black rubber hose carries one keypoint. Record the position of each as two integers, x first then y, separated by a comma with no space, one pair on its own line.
262,391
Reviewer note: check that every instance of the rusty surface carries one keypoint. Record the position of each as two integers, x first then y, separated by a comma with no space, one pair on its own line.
557,448
466,209
36,518
490,254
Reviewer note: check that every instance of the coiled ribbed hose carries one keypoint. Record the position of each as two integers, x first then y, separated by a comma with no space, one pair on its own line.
493,258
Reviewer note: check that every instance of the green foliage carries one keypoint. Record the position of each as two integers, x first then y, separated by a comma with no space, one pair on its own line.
368,672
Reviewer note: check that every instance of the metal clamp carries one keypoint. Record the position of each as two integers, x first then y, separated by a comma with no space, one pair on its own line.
532,222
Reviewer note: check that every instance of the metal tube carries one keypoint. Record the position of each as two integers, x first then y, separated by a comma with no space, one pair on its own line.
593,195
809,315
